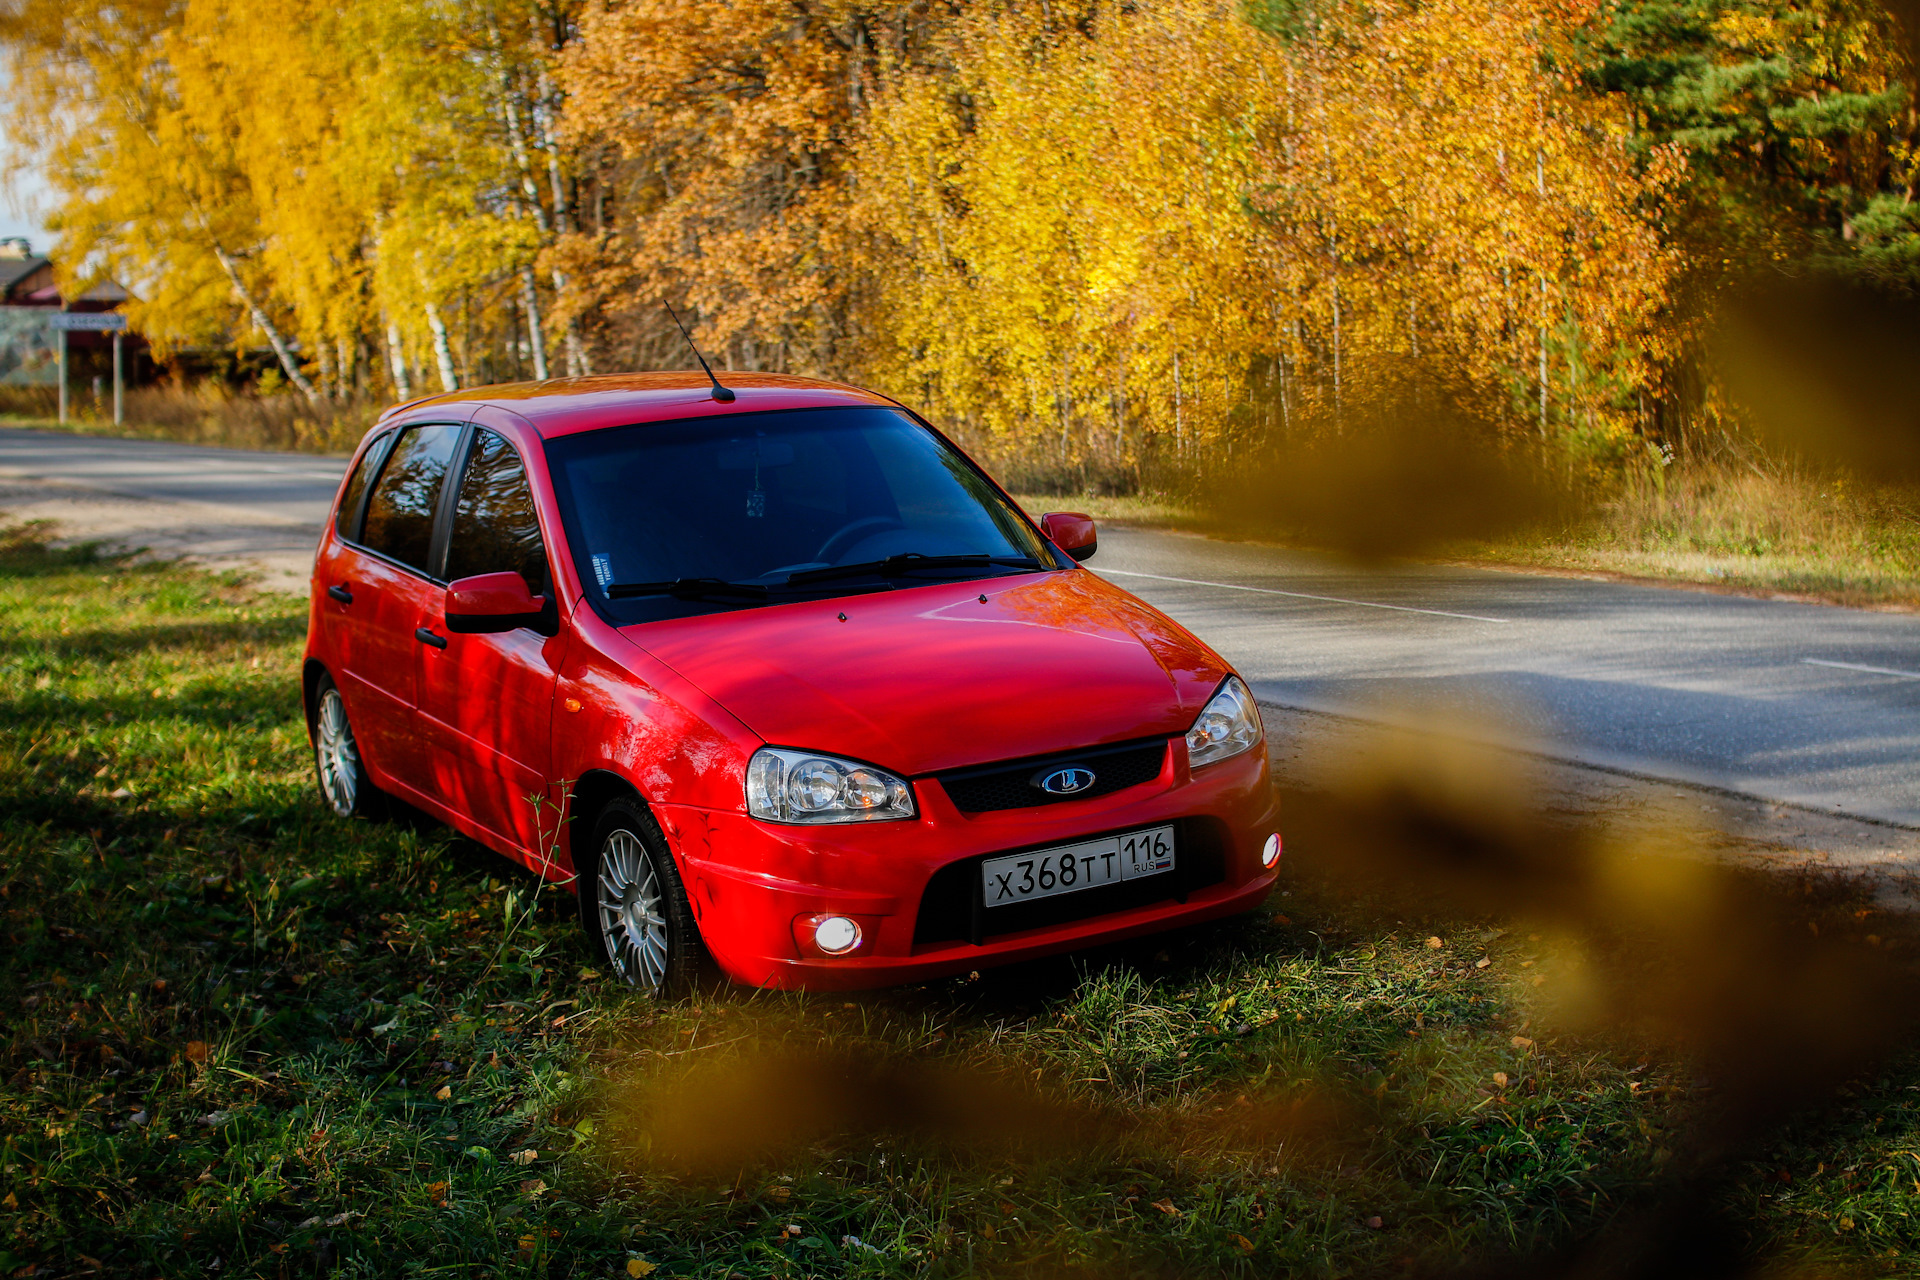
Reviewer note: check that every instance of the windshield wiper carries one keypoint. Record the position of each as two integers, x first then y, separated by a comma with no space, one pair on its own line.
689,589
894,566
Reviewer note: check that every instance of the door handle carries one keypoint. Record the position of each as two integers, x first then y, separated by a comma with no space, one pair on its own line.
425,636
341,593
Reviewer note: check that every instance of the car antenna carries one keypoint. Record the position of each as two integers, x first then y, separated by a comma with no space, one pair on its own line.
720,393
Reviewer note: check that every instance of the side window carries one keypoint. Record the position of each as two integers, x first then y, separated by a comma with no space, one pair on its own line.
494,525
346,521
400,513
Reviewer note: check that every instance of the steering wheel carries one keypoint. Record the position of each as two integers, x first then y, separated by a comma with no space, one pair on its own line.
847,535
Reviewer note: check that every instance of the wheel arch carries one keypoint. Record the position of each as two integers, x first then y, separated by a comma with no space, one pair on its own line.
593,792
310,672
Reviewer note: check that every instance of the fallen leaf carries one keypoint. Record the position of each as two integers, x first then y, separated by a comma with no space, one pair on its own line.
1521,1042
1482,963
1241,1243
639,1267
1282,920
1376,1222
1435,943
527,1156
444,1092
1167,1207
532,1186
1500,1078
437,1192
780,1194
197,1052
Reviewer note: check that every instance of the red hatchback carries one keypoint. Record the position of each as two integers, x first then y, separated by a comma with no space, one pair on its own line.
785,680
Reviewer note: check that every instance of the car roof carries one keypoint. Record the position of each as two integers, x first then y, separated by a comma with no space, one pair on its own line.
565,406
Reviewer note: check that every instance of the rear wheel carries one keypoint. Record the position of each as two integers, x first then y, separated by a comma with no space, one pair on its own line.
345,787
634,907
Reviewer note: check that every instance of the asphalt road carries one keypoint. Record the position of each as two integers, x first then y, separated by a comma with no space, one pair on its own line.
278,487
1805,704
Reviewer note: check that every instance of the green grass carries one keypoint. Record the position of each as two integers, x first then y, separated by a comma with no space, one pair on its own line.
238,1030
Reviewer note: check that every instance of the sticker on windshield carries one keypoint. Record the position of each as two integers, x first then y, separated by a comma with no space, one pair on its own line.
603,569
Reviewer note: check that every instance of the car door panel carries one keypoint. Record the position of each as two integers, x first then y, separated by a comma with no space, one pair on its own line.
486,700
387,576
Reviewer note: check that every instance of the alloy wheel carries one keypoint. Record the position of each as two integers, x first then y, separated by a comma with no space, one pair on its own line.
339,755
632,905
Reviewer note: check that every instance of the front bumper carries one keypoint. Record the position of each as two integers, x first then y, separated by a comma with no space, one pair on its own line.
904,882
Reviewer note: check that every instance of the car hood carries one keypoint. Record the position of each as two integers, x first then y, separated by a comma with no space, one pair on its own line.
936,677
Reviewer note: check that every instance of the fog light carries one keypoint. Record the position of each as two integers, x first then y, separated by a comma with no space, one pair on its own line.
1270,852
836,935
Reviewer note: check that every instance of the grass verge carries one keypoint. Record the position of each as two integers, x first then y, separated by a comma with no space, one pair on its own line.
242,1035
1749,529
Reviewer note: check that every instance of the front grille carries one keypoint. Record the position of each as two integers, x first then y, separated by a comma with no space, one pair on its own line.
1010,784
951,909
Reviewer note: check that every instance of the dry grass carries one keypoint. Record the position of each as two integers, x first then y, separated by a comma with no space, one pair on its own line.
1743,527
208,413
1750,528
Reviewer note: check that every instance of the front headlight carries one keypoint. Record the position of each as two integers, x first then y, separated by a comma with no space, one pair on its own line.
804,786
1229,725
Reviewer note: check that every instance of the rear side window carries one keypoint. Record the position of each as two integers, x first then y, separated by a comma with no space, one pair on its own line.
400,513
494,525
346,521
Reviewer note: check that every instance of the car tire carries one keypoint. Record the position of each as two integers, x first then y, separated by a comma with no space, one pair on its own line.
634,907
345,788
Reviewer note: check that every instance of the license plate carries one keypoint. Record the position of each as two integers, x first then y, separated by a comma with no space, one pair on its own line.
1043,873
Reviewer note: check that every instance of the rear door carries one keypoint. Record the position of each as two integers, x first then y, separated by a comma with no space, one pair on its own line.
487,700
339,569
395,597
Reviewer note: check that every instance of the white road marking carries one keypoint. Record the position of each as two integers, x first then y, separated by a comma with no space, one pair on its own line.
1301,595
1855,666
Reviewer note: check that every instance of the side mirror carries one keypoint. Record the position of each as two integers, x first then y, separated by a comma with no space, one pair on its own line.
1072,532
490,602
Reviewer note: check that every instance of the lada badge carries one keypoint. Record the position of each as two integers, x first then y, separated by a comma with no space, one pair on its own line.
1064,782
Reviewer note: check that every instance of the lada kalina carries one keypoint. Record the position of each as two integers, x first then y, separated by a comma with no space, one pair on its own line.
784,680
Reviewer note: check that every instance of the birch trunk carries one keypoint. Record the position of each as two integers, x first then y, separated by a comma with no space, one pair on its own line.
577,363
442,350
397,362
530,303
288,364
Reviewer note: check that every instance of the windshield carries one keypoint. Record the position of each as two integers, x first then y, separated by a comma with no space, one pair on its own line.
676,518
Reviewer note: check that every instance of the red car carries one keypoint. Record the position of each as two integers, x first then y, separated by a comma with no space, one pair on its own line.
783,679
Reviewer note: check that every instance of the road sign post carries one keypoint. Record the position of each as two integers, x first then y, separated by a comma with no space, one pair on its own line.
65,322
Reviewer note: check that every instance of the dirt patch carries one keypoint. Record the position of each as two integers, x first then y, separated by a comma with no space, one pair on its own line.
276,553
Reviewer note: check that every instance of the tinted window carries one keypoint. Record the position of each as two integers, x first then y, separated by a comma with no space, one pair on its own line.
494,526
346,519
756,499
400,513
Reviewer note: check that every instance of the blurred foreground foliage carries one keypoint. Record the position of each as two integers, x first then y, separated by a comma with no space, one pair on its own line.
1462,1040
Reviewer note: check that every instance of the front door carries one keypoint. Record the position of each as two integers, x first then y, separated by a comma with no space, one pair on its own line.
487,700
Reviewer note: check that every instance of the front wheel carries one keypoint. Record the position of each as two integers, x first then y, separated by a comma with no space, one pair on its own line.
634,907
345,787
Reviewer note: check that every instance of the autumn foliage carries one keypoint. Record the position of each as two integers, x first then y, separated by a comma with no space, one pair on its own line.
1091,238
